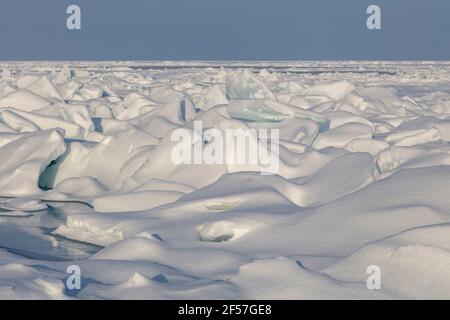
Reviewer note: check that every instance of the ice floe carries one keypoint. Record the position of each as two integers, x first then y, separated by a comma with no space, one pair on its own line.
87,178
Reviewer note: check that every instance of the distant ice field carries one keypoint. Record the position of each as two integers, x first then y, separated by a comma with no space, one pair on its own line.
357,206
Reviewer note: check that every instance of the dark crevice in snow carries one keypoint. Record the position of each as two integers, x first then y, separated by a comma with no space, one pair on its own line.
47,177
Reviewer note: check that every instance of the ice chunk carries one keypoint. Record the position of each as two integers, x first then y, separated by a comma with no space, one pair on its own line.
367,145
135,281
25,159
165,94
21,119
270,110
45,88
23,204
81,187
18,123
383,98
425,136
100,109
335,90
265,74
102,161
52,289
90,92
300,102
81,75
23,100
6,74
441,108
296,130
342,135
339,118
211,97
68,89
255,110
66,73
77,114
136,105
5,89
243,84
26,80
7,129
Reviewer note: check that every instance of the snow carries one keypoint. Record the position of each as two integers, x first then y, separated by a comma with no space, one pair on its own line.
23,100
25,158
87,178
335,90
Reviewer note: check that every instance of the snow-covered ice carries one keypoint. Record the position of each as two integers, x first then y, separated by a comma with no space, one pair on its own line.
88,179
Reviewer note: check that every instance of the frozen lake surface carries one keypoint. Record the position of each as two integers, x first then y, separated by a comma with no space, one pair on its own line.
88,179
31,235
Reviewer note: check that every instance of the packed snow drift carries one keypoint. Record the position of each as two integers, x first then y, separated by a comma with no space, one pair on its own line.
357,206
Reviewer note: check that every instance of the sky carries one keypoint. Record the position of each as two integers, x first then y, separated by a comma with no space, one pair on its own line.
224,30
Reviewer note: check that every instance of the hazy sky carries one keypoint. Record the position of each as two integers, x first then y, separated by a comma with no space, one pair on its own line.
224,30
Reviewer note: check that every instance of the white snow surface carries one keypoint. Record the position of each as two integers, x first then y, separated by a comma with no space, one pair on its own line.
87,180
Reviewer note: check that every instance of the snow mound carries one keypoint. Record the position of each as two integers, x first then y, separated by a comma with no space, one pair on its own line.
24,100
25,159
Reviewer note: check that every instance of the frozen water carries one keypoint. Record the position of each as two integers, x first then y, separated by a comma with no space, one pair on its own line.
87,179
